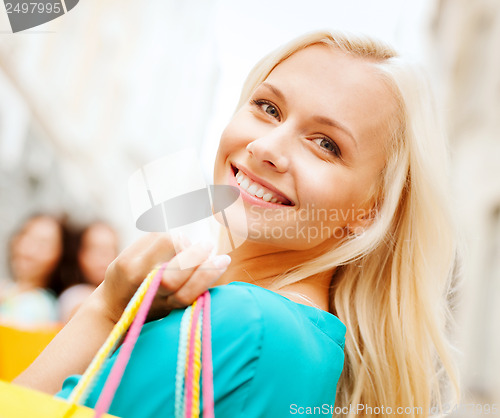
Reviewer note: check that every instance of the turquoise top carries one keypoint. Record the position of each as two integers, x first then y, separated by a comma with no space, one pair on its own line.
270,357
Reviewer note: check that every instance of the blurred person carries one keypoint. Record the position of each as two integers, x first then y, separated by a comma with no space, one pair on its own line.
97,248
35,260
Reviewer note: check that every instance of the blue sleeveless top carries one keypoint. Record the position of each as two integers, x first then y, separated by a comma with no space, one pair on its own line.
271,356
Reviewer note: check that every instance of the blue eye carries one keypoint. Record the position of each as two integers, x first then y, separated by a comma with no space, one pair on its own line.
328,145
267,107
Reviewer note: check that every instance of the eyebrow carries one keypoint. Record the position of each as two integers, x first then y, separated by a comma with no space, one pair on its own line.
330,122
323,120
275,90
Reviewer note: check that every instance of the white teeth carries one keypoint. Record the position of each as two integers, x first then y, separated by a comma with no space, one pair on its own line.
254,188
245,183
260,193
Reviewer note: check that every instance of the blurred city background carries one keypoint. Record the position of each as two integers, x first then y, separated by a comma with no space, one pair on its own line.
87,99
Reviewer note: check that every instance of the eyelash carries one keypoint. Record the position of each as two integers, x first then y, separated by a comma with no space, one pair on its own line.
336,151
259,103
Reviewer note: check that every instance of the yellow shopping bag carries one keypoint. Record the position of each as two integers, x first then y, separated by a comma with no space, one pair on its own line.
20,346
20,402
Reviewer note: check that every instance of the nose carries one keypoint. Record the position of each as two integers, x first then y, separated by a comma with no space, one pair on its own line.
272,149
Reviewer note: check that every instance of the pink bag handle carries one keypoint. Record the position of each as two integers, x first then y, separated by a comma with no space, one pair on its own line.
206,361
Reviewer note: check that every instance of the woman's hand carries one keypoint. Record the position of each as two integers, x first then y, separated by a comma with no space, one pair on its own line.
179,287
71,351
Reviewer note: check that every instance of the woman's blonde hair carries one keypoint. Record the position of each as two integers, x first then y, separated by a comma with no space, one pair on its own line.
392,282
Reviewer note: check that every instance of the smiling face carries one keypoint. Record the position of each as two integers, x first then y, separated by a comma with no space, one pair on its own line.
308,147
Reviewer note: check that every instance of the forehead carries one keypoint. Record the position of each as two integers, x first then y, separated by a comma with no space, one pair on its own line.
41,226
337,84
97,234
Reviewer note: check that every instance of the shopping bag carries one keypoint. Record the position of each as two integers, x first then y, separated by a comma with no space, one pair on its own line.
20,402
20,346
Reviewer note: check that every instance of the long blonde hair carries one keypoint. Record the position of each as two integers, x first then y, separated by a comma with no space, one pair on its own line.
391,282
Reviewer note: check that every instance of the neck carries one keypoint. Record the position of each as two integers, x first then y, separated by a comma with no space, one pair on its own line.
260,264
25,286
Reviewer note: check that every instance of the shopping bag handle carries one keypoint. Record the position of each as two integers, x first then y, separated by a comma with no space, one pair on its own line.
115,376
133,319
80,392
194,355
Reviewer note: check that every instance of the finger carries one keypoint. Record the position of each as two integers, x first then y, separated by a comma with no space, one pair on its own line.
141,257
174,276
202,278
181,241
191,257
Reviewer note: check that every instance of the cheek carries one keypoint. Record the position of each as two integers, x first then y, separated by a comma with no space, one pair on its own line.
232,141
236,134
334,190
51,256
220,161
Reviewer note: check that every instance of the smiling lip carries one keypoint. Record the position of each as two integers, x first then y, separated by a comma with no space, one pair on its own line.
256,179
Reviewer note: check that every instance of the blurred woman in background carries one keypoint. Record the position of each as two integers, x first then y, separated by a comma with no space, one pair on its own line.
97,248
38,264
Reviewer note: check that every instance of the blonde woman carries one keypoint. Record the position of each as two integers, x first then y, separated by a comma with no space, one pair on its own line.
341,166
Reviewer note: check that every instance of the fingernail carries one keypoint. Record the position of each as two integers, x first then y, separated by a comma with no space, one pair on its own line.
221,261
